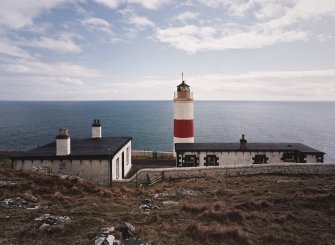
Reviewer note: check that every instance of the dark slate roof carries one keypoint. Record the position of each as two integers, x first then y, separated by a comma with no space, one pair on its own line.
249,147
97,148
183,84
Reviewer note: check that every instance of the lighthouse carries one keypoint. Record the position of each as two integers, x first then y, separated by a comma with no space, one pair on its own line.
183,115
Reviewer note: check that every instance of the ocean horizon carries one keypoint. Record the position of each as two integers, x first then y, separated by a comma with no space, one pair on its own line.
27,124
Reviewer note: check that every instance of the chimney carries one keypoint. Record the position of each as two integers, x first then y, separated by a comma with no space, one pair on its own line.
96,129
63,143
243,143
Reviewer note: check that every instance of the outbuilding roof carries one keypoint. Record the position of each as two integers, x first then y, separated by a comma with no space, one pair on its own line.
90,148
183,147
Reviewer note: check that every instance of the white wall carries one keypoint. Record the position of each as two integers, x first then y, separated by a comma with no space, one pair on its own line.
96,171
183,110
96,132
63,147
240,158
127,162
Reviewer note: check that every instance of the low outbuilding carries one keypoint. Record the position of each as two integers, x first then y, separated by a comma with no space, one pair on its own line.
243,153
97,159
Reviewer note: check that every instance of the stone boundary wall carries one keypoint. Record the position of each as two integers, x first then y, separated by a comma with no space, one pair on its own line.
141,177
143,154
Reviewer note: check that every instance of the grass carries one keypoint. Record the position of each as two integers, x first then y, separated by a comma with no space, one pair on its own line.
274,209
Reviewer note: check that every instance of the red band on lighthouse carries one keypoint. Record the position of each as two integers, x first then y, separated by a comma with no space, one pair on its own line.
183,128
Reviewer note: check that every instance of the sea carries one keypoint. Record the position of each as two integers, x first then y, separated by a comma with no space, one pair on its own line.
25,125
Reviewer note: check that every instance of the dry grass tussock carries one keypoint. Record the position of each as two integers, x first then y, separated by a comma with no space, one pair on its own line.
218,234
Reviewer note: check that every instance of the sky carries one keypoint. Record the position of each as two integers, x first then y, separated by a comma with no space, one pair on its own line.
281,50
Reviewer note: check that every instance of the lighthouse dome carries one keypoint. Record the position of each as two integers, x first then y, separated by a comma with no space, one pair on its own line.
183,87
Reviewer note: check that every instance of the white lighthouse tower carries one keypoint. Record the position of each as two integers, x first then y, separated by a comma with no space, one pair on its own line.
183,115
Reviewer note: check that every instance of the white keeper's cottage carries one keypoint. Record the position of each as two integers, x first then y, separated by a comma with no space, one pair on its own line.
243,153
97,159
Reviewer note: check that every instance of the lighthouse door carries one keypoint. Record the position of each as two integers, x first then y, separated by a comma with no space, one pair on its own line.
122,165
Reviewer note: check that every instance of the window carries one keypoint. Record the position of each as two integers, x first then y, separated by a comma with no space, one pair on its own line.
301,158
117,168
259,159
289,157
211,160
319,158
190,161
127,155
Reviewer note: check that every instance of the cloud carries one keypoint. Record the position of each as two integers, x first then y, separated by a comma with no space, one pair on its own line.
303,10
261,85
148,4
49,69
234,7
141,21
187,3
63,44
110,3
100,25
266,85
96,22
193,38
265,23
16,14
7,47
185,16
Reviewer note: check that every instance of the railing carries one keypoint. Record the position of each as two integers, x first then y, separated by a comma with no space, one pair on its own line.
183,95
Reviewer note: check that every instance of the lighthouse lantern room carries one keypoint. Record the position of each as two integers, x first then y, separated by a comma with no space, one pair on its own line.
183,114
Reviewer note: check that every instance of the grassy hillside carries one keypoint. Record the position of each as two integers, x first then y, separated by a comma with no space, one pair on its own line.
234,210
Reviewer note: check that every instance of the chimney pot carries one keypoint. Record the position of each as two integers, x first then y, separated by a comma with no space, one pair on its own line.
96,129
63,142
243,143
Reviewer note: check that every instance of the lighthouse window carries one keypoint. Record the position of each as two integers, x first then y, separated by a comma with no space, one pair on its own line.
190,161
211,160
259,159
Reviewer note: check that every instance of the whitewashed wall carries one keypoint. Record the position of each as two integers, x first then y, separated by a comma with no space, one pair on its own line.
63,147
96,171
311,158
242,158
127,163
96,132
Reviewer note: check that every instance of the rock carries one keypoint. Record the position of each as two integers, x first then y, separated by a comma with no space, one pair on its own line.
147,204
7,183
50,222
36,207
30,197
170,203
128,230
107,230
104,237
42,169
16,202
110,239
45,227
186,192
162,194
